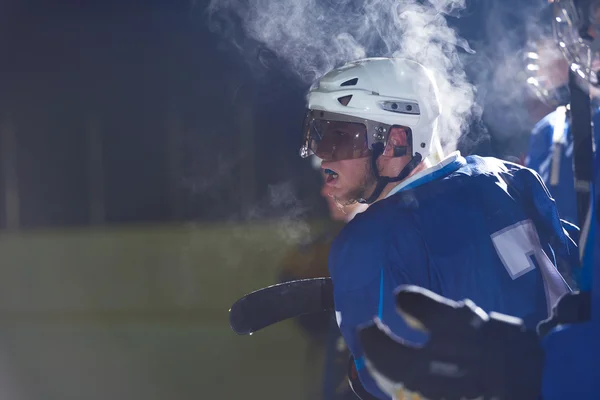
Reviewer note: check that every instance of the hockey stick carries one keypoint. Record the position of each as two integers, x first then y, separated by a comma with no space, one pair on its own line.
276,303
583,171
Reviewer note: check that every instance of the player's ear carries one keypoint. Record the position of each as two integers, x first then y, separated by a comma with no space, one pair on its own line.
397,143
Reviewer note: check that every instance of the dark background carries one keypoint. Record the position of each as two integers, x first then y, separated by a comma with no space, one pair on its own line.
134,112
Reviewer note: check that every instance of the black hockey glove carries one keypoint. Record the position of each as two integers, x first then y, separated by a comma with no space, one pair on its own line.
572,308
469,353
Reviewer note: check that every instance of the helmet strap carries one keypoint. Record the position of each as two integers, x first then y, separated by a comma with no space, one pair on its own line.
382,181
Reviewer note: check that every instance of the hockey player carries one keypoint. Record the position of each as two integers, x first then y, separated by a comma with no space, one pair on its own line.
472,227
551,142
550,150
465,356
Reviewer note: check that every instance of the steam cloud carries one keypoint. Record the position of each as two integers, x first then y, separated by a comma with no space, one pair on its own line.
499,68
311,37
282,205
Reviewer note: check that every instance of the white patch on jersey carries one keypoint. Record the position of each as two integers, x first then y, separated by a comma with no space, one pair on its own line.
516,245
338,318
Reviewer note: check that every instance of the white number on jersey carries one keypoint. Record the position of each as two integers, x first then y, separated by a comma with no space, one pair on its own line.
517,246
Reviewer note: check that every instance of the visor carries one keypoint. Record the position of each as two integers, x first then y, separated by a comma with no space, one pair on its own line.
333,137
579,38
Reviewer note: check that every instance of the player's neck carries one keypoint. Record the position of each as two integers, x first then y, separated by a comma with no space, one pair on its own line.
356,210
423,165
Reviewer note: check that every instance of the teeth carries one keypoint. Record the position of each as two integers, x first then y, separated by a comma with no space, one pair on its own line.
330,172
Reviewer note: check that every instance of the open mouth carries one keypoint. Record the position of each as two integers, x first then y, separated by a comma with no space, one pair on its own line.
330,176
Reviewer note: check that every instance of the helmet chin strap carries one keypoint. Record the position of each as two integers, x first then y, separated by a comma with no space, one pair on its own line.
382,181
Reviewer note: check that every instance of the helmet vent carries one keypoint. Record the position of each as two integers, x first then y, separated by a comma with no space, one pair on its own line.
350,82
345,100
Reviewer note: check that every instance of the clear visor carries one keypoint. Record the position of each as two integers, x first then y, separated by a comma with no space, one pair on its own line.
578,36
334,137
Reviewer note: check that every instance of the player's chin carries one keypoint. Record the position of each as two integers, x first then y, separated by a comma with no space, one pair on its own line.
331,191
342,196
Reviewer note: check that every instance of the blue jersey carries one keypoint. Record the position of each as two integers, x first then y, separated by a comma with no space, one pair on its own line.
570,369
551,155
474,227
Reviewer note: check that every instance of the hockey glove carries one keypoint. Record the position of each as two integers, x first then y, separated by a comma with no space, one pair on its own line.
469,354
572,308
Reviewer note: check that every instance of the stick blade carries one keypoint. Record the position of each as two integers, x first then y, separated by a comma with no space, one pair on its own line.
276,303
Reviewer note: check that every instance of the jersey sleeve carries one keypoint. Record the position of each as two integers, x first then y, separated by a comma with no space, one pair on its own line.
366,268
540,147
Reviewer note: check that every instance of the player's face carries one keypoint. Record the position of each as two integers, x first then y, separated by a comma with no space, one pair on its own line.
346,181
337,211
343,148
337,140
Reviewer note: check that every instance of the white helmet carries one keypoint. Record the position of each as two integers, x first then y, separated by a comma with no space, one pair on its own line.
377,93
351,110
